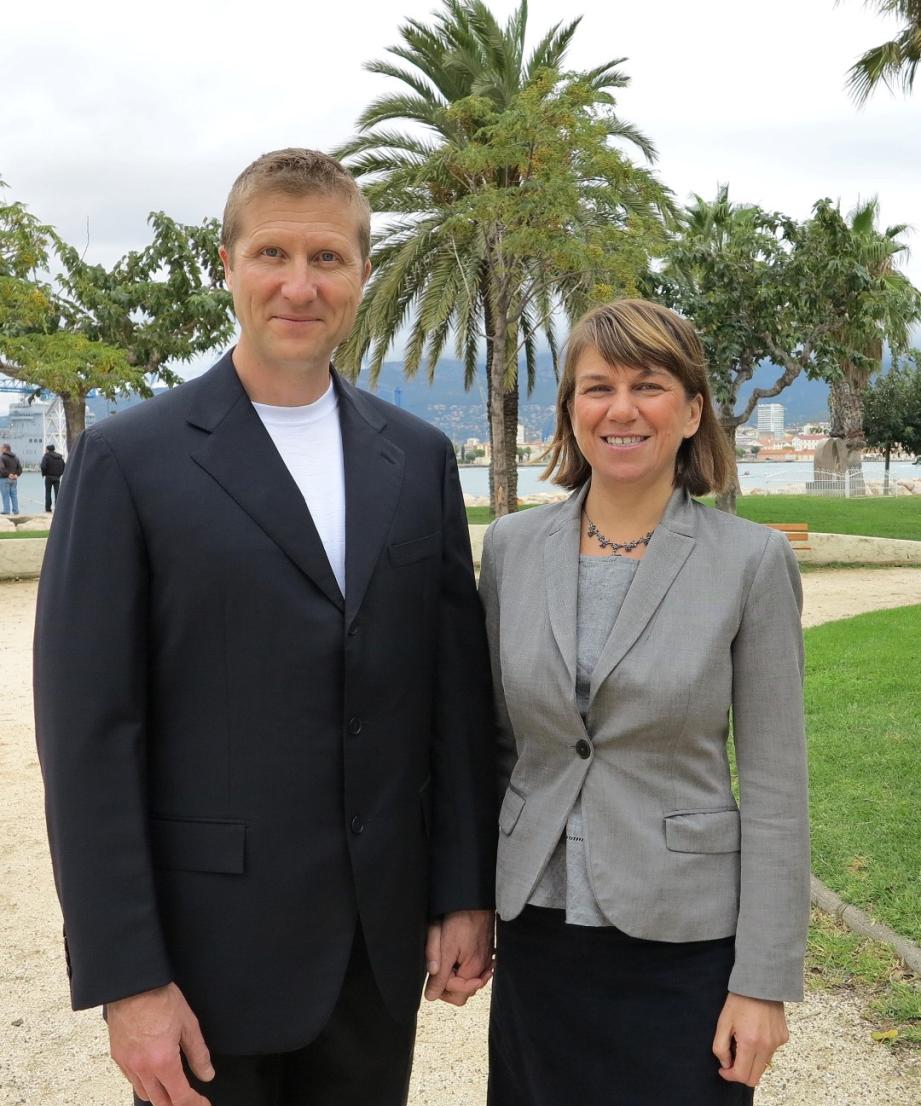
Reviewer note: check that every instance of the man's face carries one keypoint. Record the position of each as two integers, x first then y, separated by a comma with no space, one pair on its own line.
296,275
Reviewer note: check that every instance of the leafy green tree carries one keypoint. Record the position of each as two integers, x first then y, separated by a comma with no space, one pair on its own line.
892,412
892,63
762,287
34,347
510,203
107,330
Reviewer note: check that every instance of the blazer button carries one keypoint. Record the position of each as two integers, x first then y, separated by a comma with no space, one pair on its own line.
583,749
354,726
358,825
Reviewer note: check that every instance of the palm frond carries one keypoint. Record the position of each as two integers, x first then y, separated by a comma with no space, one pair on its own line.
551,50
423,89
396,106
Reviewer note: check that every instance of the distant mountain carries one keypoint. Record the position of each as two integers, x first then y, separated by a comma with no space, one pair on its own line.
448,385
462,414
804,401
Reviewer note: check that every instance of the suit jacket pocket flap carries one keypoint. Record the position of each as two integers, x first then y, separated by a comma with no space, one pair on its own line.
198,845
407,552
512,806
703,831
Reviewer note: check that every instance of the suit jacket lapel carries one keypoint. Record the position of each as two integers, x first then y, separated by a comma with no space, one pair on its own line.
561,578
240,455
373,478
668,550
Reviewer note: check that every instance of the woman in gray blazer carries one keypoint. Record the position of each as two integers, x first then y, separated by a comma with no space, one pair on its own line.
650,928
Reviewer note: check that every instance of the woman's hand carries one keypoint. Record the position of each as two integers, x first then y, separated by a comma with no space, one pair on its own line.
757,1028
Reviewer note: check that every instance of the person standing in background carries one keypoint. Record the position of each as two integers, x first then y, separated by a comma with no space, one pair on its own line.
10,471
52,467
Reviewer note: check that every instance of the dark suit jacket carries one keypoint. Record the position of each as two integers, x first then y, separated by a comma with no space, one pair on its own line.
237,762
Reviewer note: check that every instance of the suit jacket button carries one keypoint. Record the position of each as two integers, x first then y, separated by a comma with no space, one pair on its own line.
358,825
583,749
354,726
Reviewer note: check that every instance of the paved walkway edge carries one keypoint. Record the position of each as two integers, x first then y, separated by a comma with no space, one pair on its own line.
825,899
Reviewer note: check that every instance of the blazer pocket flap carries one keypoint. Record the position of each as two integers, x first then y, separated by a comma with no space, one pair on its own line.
703,831
198,845
512,806
417,549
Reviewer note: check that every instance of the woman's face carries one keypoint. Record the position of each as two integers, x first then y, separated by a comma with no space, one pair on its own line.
629,423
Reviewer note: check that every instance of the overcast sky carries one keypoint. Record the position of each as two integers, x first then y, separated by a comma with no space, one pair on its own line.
111,110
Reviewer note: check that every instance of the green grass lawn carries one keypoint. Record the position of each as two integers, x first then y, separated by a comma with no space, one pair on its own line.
23,534
896,517
483,515
863,716
838,959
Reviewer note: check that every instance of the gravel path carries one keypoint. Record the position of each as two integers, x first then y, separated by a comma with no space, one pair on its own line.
52,1057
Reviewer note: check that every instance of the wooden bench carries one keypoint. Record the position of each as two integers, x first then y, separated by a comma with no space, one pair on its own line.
797,533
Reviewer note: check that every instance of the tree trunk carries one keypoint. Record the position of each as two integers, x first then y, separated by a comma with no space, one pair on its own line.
510,405
726,501
886,470
499,458
845,403
74,416
510,408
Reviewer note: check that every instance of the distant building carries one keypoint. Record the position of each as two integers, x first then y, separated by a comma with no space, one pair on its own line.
770,419
37,424
808,442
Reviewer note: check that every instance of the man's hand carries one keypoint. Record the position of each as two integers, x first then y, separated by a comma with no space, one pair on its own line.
147,1034
758,1027
458,955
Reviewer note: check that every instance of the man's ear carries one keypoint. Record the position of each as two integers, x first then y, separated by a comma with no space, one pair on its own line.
366,273
228,271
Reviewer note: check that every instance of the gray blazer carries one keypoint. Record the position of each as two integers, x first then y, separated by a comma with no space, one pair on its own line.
711,623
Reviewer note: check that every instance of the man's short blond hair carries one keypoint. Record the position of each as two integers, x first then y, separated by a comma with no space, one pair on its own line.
295,172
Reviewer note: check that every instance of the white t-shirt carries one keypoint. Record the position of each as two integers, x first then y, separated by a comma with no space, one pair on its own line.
309,440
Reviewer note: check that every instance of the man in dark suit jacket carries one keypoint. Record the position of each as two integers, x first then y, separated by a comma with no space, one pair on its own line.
267,745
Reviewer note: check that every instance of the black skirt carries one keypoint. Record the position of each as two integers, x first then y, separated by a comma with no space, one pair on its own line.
587,1016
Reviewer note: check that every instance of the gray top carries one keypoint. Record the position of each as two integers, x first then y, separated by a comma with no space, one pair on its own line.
565,883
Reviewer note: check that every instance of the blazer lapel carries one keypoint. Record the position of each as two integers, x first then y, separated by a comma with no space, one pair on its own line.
373,478
241,457
668,550
561,578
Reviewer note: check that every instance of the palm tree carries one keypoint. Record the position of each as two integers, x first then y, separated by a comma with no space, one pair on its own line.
900,311
434,269
893,62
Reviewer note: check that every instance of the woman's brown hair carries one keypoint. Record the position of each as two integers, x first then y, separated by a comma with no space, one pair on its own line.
637,334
